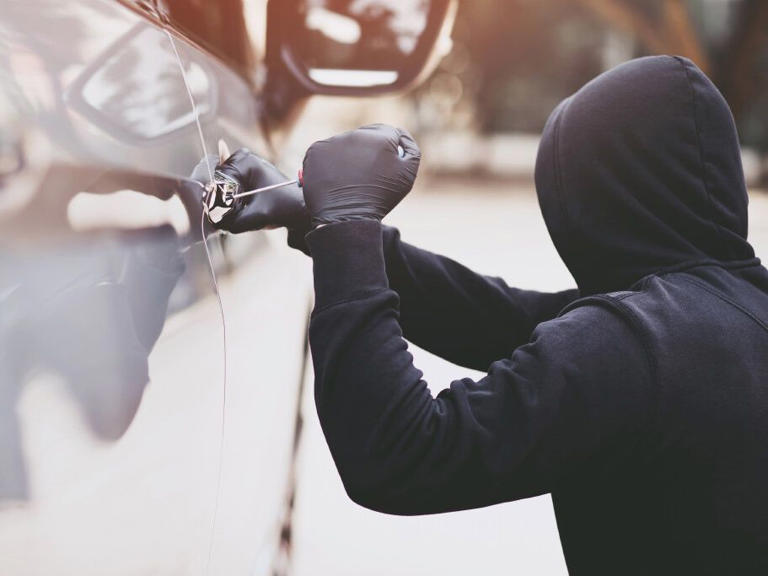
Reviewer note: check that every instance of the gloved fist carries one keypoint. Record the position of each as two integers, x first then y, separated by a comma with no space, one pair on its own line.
359,175
282,207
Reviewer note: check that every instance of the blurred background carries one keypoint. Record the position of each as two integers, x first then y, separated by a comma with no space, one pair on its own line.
111,357
478,120
513,61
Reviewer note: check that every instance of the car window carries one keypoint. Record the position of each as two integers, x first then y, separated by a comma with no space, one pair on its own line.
219,27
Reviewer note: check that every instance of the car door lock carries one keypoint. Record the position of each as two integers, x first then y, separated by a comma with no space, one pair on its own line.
220,195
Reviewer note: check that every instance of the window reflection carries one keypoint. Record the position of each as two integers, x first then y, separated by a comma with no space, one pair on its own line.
137,88
218,26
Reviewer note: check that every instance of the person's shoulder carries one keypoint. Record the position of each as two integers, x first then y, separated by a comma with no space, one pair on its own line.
625,306
596,348
606,310
603,327
654,307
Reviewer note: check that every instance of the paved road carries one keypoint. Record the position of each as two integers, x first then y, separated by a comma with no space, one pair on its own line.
496,229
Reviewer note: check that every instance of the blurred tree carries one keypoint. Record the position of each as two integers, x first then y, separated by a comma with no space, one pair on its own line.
743,72
526,55
661,27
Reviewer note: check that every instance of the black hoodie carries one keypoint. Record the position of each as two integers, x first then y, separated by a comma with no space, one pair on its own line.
640,400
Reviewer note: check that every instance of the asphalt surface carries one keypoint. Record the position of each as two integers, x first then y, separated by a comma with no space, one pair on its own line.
495,228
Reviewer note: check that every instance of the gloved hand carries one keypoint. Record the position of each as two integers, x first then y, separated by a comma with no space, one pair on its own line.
359,175
282,207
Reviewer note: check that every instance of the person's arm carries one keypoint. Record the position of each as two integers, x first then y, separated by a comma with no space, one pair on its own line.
580,390
438,296
457,314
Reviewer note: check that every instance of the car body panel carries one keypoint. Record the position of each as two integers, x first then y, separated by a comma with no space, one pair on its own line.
113,362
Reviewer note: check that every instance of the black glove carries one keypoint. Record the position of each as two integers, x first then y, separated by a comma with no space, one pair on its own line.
359,175
282,207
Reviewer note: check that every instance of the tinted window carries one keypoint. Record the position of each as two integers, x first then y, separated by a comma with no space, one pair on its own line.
217,26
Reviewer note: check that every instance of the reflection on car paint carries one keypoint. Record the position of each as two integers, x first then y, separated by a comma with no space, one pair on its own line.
90,313
83,300
125,209
131,90
110,342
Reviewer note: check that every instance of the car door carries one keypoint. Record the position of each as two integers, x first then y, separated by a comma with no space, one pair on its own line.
120,452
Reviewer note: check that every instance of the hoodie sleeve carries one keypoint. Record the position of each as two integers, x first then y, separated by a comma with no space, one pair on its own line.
457,314
578,390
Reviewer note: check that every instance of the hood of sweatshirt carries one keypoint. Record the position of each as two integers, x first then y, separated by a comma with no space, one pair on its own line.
640,171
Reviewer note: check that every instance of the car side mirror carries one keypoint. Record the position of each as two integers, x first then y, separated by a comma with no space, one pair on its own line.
358,47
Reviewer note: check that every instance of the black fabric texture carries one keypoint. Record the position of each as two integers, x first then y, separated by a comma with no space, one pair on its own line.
639,401
640,171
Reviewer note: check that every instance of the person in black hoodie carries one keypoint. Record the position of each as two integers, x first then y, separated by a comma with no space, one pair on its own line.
638,400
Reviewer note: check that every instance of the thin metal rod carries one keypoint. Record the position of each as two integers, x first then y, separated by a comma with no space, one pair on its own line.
265,189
